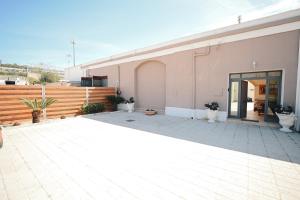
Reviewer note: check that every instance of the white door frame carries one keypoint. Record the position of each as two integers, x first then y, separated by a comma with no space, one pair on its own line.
297,107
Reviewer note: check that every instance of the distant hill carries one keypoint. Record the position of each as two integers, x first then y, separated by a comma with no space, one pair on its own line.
29,73
25,67
23,70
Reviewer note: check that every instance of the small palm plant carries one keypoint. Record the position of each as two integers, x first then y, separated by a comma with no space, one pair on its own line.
37,107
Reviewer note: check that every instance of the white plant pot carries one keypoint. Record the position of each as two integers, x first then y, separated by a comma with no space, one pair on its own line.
286,121
122,106
130,107
212,115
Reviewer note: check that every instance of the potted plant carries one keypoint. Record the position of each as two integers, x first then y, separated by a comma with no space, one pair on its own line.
286,117
212,111
130,104
37,107
92,108
115,100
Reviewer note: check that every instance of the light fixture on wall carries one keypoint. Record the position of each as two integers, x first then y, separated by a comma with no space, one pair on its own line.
117,84
239,19
218,45
254,65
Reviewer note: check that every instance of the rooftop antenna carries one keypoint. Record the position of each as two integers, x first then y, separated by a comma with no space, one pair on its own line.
73,43
239,19
68,59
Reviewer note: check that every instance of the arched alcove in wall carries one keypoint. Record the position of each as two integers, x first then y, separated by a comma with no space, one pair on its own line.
150,86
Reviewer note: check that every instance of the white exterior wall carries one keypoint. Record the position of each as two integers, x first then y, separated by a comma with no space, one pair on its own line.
74,73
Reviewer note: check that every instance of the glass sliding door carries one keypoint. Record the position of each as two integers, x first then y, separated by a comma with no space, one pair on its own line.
234,98
272,98
256,101
243,99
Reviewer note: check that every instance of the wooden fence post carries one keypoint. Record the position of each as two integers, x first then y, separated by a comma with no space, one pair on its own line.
43,98
86,95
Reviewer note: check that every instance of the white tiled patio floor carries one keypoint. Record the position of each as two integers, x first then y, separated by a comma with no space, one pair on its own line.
106,157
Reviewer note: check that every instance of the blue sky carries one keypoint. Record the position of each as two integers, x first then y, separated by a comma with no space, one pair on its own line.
33,32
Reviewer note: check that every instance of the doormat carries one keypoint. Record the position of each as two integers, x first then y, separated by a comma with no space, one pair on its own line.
249,120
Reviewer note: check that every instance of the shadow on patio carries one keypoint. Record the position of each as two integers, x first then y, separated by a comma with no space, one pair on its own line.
257,140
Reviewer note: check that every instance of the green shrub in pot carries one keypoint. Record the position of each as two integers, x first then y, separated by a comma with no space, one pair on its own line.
286,117
115,100
130,104
212,111
92,108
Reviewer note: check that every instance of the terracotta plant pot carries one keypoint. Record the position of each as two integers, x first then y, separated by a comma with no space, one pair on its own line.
150,112
36,116
1,138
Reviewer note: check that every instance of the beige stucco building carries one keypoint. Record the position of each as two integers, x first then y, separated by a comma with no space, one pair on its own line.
178,77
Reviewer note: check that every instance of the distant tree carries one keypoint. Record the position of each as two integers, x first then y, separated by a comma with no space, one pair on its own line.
49,77
32,80
12,73
14,66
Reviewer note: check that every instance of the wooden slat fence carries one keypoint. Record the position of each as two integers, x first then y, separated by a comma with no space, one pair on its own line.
69,100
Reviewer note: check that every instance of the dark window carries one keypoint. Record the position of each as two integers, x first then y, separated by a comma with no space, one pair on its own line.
86,82
100,81
10,82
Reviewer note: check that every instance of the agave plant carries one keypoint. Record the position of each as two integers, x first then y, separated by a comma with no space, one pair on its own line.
37,106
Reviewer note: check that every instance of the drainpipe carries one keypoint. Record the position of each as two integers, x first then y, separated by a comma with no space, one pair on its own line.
119,81
118,84
297,108
195,55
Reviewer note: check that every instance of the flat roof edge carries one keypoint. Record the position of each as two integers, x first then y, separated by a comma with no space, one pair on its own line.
234,27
